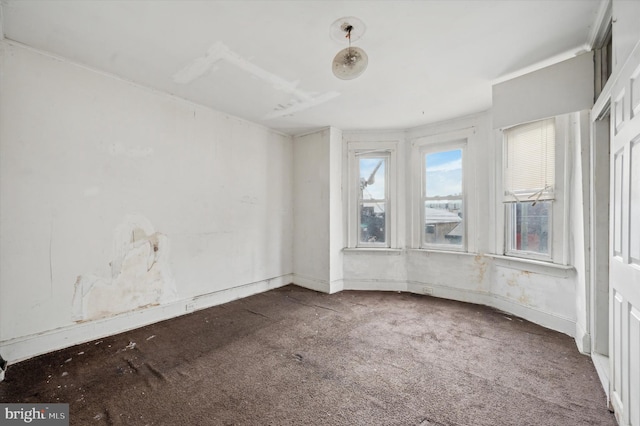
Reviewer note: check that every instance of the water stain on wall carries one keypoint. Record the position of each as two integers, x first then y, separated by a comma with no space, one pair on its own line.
140,274
481,265
520,281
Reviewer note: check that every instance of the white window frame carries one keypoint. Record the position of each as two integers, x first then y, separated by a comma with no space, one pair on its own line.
386,157
510,225
434,143
559,219
430,149
357,150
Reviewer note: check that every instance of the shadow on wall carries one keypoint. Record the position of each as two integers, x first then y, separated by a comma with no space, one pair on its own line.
140,274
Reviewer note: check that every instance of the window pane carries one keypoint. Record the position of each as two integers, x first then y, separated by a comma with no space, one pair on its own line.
443,222
443,174
530,232
372,178
372,222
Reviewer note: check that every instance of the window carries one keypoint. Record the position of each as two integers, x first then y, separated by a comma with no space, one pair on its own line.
372,194
529,185
373,200
443,199
529,227
603,59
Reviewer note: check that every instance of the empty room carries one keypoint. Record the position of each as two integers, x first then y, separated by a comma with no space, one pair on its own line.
320,212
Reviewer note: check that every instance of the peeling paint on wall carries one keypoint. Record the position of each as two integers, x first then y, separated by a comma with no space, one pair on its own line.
140,274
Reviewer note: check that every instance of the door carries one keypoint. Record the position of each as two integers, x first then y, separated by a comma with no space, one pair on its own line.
624,250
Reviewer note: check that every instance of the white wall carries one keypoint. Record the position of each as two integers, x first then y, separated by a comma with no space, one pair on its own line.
626,31
121,206
336,211
311,194
318,210
579,223
544,294
554,90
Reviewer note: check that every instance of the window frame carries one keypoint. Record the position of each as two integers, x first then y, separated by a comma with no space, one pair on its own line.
510,223
425,150
462,137
559,215
386,157
355,151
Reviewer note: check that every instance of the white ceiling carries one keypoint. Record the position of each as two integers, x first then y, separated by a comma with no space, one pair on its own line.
270,61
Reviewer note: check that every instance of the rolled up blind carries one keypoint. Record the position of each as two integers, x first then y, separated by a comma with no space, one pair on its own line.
529,172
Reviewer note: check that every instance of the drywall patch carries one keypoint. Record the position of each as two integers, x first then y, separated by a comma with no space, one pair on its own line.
301,100
140,274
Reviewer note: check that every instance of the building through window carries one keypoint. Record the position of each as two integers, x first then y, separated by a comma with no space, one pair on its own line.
373,200
442,199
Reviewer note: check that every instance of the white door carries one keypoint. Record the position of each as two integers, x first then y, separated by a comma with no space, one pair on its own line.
624,278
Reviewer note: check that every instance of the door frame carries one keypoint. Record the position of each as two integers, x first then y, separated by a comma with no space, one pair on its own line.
598,282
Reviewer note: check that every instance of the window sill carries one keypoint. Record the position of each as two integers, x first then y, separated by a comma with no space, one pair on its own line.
372,250
537,266
429,251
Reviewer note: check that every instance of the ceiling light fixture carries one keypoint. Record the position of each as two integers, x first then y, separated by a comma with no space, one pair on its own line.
351,62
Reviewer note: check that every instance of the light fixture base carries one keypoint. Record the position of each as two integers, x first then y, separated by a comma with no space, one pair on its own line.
339,29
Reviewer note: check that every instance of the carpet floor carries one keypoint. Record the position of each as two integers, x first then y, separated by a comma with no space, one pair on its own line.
292,356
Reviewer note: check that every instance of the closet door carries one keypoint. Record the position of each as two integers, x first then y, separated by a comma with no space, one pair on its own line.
624,258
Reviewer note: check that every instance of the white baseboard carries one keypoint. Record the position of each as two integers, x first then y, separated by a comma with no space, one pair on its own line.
444,292
545,319
375,285
336,286
22,348
601,363
583,339
316,284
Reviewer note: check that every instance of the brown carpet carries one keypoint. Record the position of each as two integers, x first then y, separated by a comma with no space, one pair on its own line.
296,357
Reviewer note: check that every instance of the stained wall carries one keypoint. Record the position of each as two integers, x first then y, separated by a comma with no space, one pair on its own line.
120,205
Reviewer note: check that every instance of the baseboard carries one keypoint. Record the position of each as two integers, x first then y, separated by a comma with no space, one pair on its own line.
452,293
601,363
583,339
316,284
336,286
22,348
375,285
545,319
19,349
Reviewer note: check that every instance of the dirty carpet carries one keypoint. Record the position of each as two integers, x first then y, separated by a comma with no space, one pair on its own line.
296,357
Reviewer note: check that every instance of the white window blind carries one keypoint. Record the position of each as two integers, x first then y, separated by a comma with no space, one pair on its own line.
529,173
